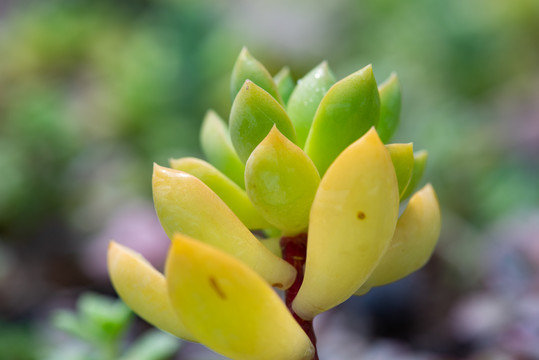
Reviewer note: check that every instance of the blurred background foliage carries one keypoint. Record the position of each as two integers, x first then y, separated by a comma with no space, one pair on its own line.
93,92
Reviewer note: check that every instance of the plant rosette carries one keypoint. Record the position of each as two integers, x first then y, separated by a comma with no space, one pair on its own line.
300,192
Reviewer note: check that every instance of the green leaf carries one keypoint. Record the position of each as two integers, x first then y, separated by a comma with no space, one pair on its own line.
390,107
253,114
402,156
306,97
110,316
226,189
69,323
420,162
346,112
248,68
281,181
218,148
153,345
285,83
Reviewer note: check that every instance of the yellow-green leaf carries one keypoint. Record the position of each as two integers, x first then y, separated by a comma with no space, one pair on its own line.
248,68
226,189
420,162
253,114
229,308
390,107
184,204
274,245
218,148
402,156
281,181
306,97
284,83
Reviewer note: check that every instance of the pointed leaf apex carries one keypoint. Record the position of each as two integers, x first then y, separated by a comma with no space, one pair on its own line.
245,52
274,131
248,67
210,112
372,134
285,70
428,188
393,79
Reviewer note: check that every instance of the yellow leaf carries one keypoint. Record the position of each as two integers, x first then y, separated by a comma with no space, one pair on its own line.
353,218
229,307
144,290
184,204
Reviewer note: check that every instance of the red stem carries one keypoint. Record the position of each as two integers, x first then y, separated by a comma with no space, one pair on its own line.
294,250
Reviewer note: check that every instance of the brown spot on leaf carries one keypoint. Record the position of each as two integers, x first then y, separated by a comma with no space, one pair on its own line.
217,289
277,285
361,215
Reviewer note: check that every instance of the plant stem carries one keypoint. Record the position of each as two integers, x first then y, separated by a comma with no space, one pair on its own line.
294,250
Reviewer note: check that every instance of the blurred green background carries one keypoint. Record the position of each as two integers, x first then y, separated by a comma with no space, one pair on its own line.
93,92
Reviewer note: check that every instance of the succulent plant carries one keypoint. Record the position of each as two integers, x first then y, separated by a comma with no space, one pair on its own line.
303,166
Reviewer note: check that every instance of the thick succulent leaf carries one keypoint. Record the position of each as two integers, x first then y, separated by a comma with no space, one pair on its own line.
274,245
402,156
253,114
284,83
144,290
414,240
346,112
226,189
390,108
420,162
229,307
248,68
218,148
281,181
306,97
353,218
184,204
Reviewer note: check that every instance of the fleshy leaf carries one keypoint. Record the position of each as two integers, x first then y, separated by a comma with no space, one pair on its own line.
353,218
281,181
248,68
414,240
184,204
420,162
402,156
346,112
226,189
144,290
273,244
218,148
306,97
253,114
228,307
284,83
390,108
